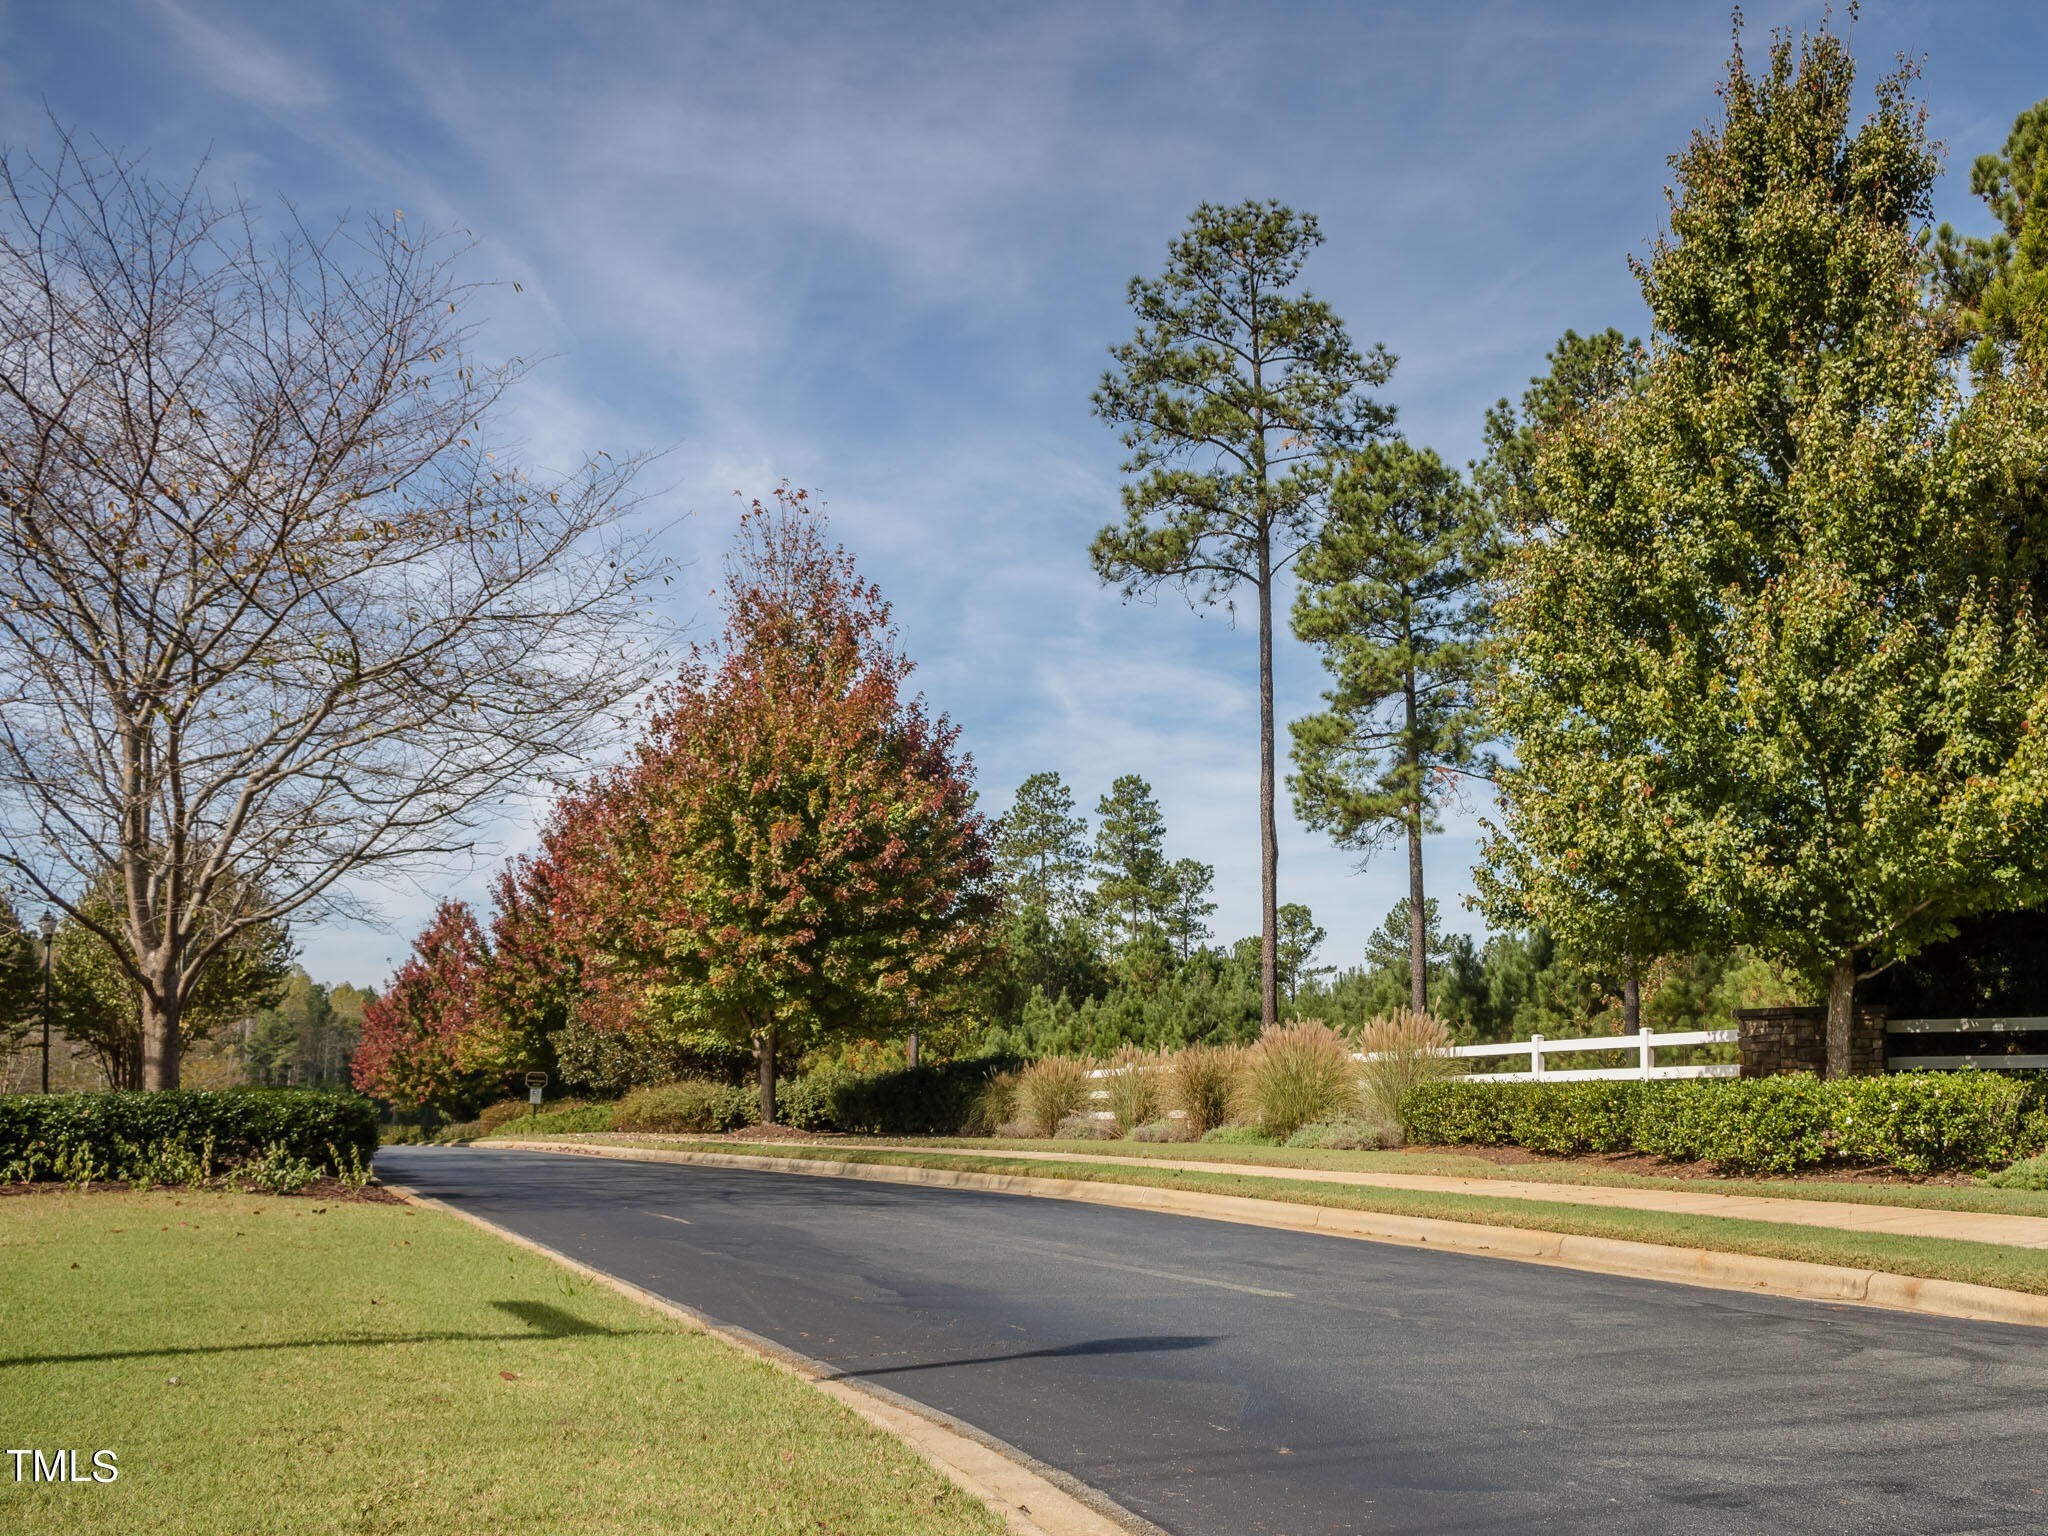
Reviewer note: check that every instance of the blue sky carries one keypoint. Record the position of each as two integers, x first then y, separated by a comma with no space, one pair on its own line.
880,250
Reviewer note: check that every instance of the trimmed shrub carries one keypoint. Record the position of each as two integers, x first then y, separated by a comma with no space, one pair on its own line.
495,1116
1136,1086
1917,1122
810,1103
1206,1085
933,1098
1348,1135
1401,1050
1300,1074
1053,1088
1159,1130
694,1106
143,1136
565,1117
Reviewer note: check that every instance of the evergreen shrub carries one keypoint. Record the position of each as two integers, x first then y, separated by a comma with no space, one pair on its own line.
1915,1122
134,1136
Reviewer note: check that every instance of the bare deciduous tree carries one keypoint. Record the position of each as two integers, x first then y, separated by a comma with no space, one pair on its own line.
276,610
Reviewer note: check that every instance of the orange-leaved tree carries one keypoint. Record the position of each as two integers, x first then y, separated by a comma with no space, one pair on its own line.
415,1045
792,852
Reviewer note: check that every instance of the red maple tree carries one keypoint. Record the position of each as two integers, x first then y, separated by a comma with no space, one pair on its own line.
416,1045
792,851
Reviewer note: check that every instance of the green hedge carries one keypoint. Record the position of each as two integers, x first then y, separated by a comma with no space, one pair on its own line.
930,1099
157,1136
694,1105
1917,1122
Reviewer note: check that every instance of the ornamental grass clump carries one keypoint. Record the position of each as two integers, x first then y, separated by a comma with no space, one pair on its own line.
1051,1089
1300,1074
1206,1084
1399,1051
1137,1088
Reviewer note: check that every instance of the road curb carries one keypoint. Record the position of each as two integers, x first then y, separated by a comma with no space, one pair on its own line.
1032,1498
1796,1278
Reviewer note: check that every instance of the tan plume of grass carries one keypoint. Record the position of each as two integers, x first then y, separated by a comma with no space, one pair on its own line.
1051,1089
1301,1074
1136,1086
1401,1050
1206,1084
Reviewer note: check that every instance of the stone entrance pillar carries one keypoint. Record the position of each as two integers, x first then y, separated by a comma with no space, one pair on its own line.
1773,1041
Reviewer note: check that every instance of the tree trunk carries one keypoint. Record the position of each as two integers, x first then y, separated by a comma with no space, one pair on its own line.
1841,1015
910,1050
764,1063
1418,911
1269,839
1631,998
161,1046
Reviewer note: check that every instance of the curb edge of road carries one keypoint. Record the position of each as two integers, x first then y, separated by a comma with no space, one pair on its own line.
1032,1498
1795,1278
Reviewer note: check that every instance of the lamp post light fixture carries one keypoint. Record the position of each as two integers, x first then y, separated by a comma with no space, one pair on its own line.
46,925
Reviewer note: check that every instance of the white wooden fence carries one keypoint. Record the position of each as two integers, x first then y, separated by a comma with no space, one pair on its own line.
1983,1063
1645,1046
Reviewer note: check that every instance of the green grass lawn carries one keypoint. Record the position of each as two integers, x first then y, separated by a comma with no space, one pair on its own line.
292,1365
2019,1269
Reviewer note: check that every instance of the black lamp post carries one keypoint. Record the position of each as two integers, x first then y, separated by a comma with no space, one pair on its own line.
47,926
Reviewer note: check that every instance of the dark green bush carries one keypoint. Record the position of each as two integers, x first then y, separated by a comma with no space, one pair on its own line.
811,1102
1916,1122
694,1106
139,1135
930,1099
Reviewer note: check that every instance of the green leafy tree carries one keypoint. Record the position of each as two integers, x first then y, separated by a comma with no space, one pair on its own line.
1618,902
1132,880
1041,846
1772,630
1995,290
97,1003
1188,907
1390,595
1236,397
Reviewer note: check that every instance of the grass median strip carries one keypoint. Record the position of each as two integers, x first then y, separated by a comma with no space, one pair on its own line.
283,1365
2018,1269
1923,1196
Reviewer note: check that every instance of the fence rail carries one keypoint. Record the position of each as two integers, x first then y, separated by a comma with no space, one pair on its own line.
1982,1061
1645,1045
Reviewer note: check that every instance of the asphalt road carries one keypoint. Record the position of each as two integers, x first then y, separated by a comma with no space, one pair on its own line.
1223,1379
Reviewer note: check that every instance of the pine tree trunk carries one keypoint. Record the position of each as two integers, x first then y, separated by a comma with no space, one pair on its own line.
1269,840
1841,1014
1631,998
764,1062
910,1050
1418,911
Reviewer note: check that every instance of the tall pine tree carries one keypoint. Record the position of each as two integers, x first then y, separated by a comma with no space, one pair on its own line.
1390,594
1236,398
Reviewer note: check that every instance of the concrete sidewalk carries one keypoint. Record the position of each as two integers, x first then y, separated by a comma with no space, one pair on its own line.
1903,1221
